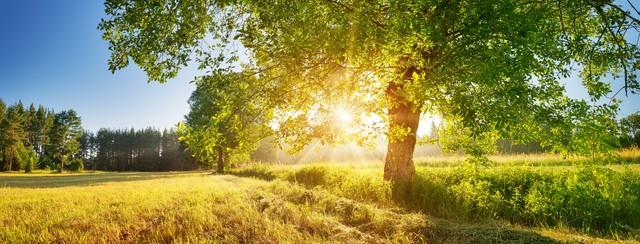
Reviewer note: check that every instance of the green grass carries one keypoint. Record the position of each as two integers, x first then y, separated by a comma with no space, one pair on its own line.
346,203
626,156
595,200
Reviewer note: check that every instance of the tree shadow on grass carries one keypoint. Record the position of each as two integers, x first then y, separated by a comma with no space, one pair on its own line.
445,231
83,179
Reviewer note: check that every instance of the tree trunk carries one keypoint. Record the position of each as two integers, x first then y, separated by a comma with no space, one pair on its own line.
4,159
398,165
9,159
220,164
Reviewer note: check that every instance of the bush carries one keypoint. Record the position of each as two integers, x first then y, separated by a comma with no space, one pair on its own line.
30,158
592,199
76,165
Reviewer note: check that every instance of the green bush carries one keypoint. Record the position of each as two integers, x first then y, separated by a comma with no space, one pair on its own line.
76,165
592,199
30,158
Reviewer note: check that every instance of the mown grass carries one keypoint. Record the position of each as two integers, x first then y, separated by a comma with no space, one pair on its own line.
191,208
593,199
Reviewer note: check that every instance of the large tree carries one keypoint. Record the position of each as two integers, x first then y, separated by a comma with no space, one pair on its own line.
492,66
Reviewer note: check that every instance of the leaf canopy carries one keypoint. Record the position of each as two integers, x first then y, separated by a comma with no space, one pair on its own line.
492,65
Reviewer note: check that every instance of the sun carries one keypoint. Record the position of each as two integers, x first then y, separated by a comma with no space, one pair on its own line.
343,116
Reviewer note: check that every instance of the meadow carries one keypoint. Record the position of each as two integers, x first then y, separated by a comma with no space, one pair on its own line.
330,202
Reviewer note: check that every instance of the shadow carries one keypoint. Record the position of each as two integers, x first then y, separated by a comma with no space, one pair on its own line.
444,231
84,179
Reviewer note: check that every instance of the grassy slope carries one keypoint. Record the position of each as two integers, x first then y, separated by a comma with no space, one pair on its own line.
199,207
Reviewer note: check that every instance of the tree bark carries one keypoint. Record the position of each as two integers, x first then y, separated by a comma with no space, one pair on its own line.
220,164
398,165
4,159
9,159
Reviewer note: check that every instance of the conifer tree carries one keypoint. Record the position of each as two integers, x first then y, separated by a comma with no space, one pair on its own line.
13,137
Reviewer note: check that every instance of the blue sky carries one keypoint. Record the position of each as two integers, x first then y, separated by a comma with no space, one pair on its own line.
52,54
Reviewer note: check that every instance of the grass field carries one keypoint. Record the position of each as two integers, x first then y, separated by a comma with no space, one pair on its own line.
323,203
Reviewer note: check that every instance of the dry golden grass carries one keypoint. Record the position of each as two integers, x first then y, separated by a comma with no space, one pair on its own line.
191,207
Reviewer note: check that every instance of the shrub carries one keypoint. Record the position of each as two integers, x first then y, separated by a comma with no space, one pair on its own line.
30,158
76,164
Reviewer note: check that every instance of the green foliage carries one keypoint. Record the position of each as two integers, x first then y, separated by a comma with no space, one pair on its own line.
148,149
494,66
12,137
23,131
591,199
226,121
30,158
453,137
589,130
630,130
65,135
76,165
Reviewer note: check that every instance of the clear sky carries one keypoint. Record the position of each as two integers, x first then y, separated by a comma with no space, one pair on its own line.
51,53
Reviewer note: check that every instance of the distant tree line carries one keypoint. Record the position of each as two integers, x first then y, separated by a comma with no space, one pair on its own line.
135,150
628,136
37,137
450,138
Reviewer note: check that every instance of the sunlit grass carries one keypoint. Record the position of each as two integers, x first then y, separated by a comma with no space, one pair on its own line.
189,207
625,156
327,202
598,198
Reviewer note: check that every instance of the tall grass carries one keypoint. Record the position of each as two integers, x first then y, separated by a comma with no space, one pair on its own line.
600,200
624,156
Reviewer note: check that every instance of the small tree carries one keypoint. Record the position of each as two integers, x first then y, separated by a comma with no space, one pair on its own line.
65,136
226,122
30,158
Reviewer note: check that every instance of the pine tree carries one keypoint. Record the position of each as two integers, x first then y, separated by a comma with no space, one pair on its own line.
30,126
13,137
3,109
